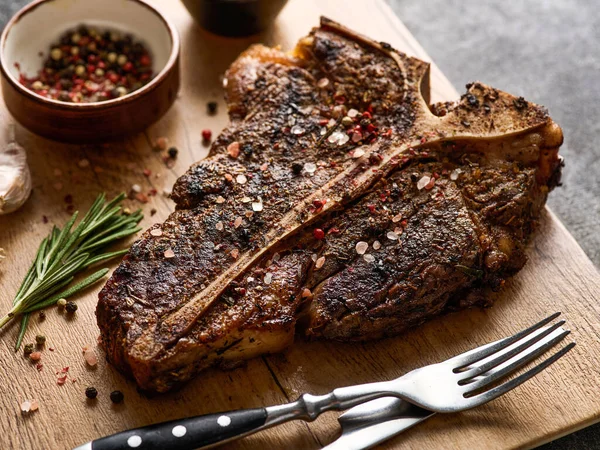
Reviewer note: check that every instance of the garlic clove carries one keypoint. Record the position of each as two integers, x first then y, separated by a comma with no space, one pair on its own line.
15,178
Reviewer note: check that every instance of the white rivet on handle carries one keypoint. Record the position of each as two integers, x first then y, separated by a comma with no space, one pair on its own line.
224,421
134,441
179,431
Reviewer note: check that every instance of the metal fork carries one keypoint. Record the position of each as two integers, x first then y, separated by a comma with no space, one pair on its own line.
459,383
373,422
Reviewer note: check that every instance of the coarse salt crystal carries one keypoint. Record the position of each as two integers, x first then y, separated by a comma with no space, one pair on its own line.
219,226
343,139
237,222
234,253
356,137
246,200
26,406
249,214
334,137
392,236
369,258
323,131
241,179
276,257
314,257
423,182
136,188
352,113
156,232
361,247
257,206
430,185
34,405
90,357
310,167
454,174
296,129
169,254
319,263
331,123
228,177
233,149
358,153
268,278
376,245
83,163
323,82
220,199
264,166
306,293
397,218
291,120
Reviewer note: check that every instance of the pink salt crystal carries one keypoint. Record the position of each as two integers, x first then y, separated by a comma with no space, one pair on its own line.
235,253
90,357
233,149
169,254
34,405
35,356
26,406
156,232
237,222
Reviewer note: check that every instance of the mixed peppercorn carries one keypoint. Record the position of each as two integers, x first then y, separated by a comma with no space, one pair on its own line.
88,66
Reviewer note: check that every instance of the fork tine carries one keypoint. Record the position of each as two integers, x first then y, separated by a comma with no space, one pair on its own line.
479,353
487,396
514,363
527,342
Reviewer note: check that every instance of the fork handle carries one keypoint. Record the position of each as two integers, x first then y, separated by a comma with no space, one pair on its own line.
185,434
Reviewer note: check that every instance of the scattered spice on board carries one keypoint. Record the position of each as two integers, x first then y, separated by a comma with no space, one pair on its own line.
71,307
91,393
116,396
29,406
211,107
87,66
206,135
40,339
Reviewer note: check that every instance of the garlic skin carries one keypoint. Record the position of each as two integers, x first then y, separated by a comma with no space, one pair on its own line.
15,178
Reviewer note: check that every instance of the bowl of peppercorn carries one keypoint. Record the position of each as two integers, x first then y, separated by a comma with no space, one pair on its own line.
75,71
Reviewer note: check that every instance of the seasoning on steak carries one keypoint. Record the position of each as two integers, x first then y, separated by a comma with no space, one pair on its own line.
337,204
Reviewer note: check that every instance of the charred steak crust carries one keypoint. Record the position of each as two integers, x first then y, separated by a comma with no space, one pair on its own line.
337,203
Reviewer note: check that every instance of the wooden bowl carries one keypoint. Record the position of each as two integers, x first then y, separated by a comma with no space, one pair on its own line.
35,27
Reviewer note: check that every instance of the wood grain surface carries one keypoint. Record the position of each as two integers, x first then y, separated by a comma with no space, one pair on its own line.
558,277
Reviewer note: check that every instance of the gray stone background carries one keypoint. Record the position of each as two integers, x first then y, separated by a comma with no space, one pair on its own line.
548,52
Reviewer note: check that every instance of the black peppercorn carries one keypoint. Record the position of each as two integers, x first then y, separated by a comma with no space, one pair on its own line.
297,168
91,393
116,396
42,315
71,307
212,108
173,152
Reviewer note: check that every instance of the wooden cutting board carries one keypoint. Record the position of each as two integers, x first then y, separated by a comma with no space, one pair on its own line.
558,277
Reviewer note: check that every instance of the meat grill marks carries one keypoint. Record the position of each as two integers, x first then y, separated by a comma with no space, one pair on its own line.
246,263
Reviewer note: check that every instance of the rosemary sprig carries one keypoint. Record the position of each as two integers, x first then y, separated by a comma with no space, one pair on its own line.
67,252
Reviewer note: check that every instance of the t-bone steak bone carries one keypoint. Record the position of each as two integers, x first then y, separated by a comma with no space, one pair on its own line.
337,204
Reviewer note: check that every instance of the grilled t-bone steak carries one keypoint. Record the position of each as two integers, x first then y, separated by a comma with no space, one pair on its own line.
337,204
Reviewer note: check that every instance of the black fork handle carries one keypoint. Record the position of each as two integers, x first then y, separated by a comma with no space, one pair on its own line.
185,434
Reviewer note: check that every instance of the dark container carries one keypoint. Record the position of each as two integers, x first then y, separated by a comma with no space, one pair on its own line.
234,18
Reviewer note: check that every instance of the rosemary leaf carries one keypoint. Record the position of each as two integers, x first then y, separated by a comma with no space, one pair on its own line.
24,321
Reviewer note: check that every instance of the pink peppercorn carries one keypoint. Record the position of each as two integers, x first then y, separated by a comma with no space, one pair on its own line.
206,135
